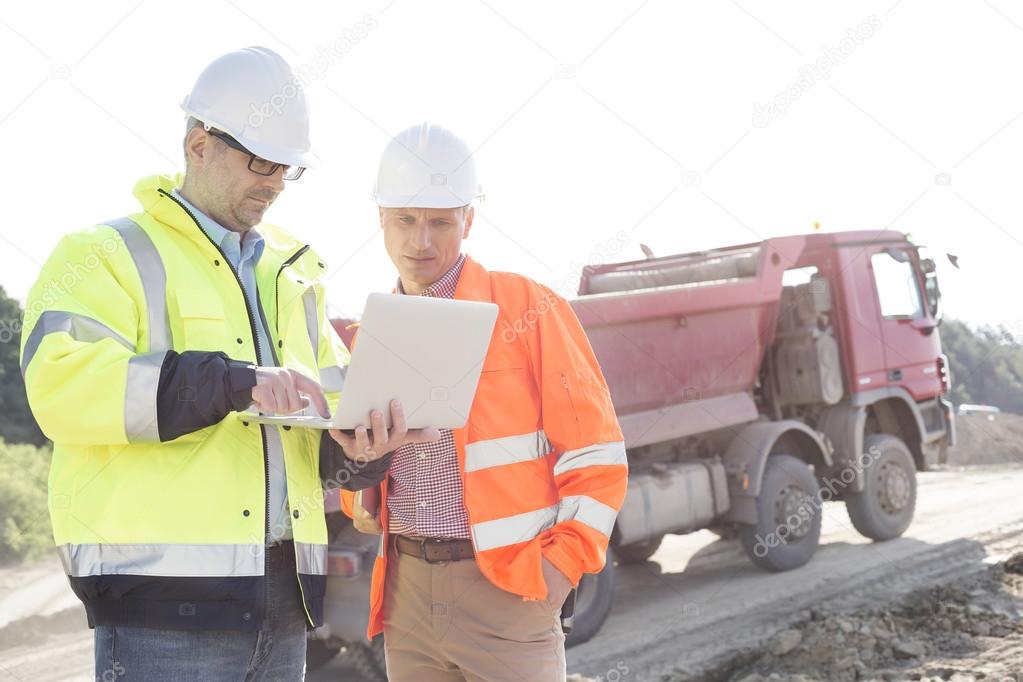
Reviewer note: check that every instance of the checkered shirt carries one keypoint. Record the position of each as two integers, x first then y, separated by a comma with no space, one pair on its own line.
425,488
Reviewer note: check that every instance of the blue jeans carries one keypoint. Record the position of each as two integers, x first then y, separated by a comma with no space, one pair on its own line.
277,652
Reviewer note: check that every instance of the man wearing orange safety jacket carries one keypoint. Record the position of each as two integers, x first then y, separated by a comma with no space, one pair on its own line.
486,531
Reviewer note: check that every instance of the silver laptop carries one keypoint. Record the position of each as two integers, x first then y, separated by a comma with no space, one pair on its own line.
426,352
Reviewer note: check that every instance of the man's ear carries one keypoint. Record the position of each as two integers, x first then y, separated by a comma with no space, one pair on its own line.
470,213
198,147
380,209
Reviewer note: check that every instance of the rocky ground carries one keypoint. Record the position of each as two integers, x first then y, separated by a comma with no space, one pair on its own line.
970,629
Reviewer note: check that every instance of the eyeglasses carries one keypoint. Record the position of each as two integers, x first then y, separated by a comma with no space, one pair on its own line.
257,164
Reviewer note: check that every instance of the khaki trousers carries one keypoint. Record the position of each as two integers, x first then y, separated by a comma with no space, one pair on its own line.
448,622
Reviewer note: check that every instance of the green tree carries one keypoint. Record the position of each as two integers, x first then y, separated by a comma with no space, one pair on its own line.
17,425
25,531
986,365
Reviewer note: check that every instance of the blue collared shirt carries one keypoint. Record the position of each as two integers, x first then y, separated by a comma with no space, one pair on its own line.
243,252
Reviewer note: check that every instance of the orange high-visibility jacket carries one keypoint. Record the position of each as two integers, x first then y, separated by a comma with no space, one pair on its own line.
542,456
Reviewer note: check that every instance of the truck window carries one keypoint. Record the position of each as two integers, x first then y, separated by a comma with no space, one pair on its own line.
796,276
897,288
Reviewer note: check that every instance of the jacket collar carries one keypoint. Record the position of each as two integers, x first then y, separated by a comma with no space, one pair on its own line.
154,193
474,283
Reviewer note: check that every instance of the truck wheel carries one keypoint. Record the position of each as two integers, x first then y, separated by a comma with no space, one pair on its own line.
320,652
592,603
788,516
368,659
638,552
885,507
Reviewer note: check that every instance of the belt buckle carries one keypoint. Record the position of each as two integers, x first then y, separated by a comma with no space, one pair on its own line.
424,542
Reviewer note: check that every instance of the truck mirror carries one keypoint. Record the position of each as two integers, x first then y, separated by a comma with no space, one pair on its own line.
900,255
933,293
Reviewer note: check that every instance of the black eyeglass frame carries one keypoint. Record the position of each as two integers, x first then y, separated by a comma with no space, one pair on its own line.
295,171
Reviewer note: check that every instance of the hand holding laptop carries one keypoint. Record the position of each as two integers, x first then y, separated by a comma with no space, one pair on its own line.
374,444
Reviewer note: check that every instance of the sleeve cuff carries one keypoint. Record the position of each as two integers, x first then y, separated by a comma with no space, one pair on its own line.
561,561
241,377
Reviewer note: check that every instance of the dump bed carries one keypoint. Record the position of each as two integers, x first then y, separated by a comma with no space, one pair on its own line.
681,338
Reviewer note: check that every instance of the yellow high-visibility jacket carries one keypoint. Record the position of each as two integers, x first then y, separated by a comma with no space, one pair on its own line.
137,352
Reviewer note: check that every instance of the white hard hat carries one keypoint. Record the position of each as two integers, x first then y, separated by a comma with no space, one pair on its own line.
426,166
252,95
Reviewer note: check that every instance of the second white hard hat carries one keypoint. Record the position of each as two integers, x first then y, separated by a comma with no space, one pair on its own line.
253,95
426,166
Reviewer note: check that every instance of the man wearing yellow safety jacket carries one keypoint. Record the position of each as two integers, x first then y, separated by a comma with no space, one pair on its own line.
196,539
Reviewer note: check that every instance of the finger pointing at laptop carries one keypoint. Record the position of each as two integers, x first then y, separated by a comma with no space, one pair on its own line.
286,391
280,391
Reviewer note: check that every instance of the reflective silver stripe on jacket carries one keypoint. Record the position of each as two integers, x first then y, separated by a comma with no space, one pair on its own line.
311,559
495,452
140,413
514,529
182,560
517,528
588,511
154,279
312,323
600,454
80,327
332,379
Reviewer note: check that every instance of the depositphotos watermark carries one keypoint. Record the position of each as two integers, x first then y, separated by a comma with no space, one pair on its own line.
63,282
9,330
564,288
616,674
813,503
814,72
314,70
313,503
111,674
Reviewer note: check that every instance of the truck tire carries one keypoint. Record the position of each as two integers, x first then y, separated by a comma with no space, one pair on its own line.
320,652
368,659
788,516
885,507
638,552
592,603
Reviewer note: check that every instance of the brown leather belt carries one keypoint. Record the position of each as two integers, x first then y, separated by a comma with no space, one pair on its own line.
433,550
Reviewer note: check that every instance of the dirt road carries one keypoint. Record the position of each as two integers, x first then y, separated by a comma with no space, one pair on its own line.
698,602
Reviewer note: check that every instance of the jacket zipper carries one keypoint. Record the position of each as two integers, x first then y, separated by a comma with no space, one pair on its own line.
259,361
277,309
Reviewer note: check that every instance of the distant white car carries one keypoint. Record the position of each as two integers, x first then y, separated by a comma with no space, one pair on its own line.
988,410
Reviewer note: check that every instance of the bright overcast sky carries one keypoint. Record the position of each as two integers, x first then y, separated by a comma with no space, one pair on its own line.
635,117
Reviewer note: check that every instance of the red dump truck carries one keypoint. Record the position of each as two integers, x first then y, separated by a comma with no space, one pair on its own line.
752,383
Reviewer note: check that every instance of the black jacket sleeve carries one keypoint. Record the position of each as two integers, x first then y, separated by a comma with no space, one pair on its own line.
199,388
337,471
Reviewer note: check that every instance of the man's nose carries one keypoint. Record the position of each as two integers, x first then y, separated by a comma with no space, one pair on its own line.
421,239
275,181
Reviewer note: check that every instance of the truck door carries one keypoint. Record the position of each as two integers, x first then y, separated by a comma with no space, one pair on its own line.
857,319
909,332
